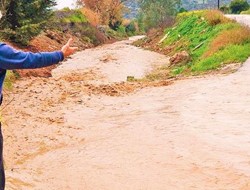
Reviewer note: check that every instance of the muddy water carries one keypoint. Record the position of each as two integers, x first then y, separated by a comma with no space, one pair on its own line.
193,134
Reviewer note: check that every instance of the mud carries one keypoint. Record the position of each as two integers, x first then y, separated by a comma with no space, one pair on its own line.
68,133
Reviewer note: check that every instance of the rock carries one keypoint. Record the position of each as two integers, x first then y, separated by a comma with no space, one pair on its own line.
180,58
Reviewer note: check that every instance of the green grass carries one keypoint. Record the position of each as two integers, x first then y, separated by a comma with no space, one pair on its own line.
245,12
230,54
195,33
75,17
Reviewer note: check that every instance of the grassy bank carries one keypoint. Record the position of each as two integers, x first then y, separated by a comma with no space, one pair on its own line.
210,39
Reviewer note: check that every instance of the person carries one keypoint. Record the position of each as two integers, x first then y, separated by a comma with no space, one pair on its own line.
13,59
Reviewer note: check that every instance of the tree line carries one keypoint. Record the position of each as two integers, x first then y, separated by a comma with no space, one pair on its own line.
24,19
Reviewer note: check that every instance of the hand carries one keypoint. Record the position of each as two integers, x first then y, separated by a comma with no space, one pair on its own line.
67,49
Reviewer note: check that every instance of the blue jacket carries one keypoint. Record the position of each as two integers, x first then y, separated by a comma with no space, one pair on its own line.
12,59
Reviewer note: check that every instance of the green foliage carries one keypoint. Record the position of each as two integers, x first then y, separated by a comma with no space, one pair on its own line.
122,30
154,13
75,17
24,19
245,12
237,6
192,30
131,29
182,10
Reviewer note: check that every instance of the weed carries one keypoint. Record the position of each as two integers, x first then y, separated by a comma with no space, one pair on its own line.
211,40
229,54
238,35
215,17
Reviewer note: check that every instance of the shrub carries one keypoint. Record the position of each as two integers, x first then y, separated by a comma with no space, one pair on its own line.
246,12
122,30
182,10
132,28
215,17
237,6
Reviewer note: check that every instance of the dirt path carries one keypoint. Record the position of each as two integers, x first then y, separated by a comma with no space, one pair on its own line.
66,133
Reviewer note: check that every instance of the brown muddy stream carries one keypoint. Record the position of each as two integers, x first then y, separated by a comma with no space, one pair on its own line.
193,134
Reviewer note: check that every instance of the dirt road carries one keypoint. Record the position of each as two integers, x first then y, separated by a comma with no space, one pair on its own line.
66,133
243,19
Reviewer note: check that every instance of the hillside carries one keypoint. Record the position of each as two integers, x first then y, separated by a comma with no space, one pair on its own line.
204,4
187,4
62,26
201,42
133,8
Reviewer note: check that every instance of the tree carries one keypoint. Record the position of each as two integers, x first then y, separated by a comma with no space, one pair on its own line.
24,19
156,12
110,11
237,6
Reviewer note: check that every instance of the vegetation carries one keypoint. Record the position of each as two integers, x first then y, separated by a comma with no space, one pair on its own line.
106,12
22,20
156,13
209,38
237,6
75,23
247,12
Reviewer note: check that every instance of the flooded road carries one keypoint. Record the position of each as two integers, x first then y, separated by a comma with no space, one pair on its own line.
67,132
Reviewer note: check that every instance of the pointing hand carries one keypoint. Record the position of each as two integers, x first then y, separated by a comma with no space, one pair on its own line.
67,49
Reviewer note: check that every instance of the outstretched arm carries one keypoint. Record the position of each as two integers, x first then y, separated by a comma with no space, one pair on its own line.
13,59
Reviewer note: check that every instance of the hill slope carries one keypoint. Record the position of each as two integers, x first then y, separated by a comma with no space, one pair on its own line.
210,41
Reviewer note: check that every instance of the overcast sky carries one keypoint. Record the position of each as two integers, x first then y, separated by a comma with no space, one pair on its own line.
65,3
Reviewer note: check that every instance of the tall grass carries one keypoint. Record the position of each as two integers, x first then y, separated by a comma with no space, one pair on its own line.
211,40
229,54
238,35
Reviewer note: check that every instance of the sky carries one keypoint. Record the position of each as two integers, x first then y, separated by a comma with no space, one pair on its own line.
65,3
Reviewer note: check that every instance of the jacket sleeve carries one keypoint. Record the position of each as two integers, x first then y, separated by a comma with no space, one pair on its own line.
13,59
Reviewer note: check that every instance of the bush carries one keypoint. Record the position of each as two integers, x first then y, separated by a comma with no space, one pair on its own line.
132,28
21,35
245,12
237,6
215,17
182,10
122,30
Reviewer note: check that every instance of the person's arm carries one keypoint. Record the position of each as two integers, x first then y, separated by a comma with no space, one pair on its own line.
13,59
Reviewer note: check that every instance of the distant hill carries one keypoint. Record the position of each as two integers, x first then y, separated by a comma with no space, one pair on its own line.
204,4
133,7
187,4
